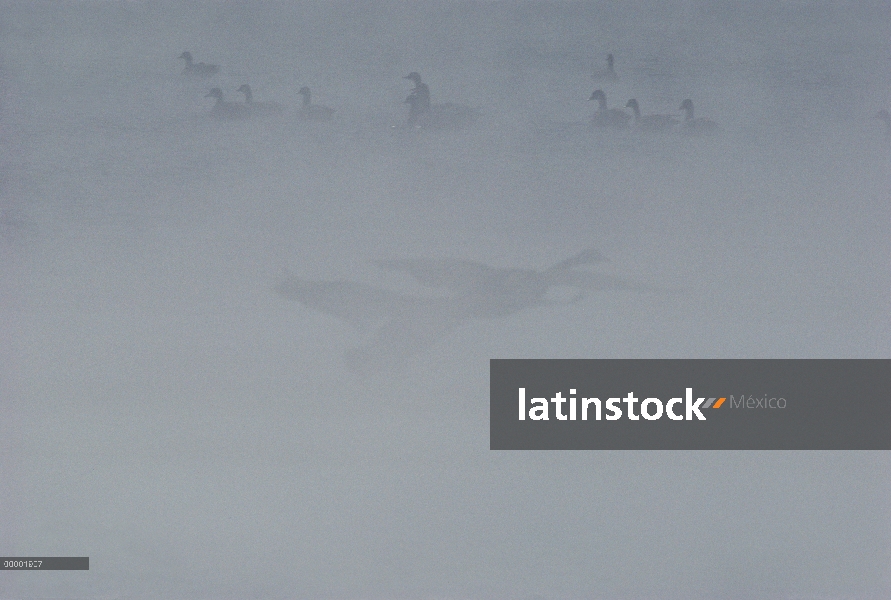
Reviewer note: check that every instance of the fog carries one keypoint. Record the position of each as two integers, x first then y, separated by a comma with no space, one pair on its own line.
248,358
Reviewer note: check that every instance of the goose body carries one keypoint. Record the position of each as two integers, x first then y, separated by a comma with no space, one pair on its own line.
609,74
259,109
448,116
313,112
608,117
201,69
696,126
229,111
886,117
650,122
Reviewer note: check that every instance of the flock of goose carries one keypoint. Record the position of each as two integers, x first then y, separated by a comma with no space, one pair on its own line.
228,110
423,114
619,119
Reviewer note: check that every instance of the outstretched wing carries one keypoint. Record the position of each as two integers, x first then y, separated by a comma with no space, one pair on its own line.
363,306
397,326
590,256
455,275
412,328
598,282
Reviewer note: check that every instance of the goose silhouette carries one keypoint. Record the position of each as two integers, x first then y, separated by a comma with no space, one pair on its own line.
229,111
397,326
425,115
650,122
608,117
260,109
313,112
609,74
198,69
699,125
418,100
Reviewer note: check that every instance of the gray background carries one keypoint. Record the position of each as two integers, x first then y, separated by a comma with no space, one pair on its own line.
166,413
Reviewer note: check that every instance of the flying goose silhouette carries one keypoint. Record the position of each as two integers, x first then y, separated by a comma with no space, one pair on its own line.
397,326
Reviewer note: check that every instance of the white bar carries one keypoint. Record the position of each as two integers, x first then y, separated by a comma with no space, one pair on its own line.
522,404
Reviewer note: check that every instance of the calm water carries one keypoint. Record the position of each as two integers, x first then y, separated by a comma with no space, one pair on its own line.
166,412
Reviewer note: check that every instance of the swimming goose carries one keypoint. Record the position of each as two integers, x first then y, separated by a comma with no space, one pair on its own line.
418,100
609,74
448,116
696,126
227,110
608,117
313,112
259,109
198,69
650,122
883,115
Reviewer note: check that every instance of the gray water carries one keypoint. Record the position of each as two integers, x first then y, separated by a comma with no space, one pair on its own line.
168,412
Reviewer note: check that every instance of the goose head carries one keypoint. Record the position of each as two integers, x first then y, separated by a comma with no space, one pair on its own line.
634,106
215,93
307,96
687,106
246,90
600,97
414,76
186,56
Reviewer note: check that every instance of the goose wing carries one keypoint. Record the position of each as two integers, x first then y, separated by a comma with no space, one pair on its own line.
457,275
396,326
585,257
412,327
597,282
363,306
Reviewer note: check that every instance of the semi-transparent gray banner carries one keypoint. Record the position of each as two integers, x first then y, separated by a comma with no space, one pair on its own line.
690,404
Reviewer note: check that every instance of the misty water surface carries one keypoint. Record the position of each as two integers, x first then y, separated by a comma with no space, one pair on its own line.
167,409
